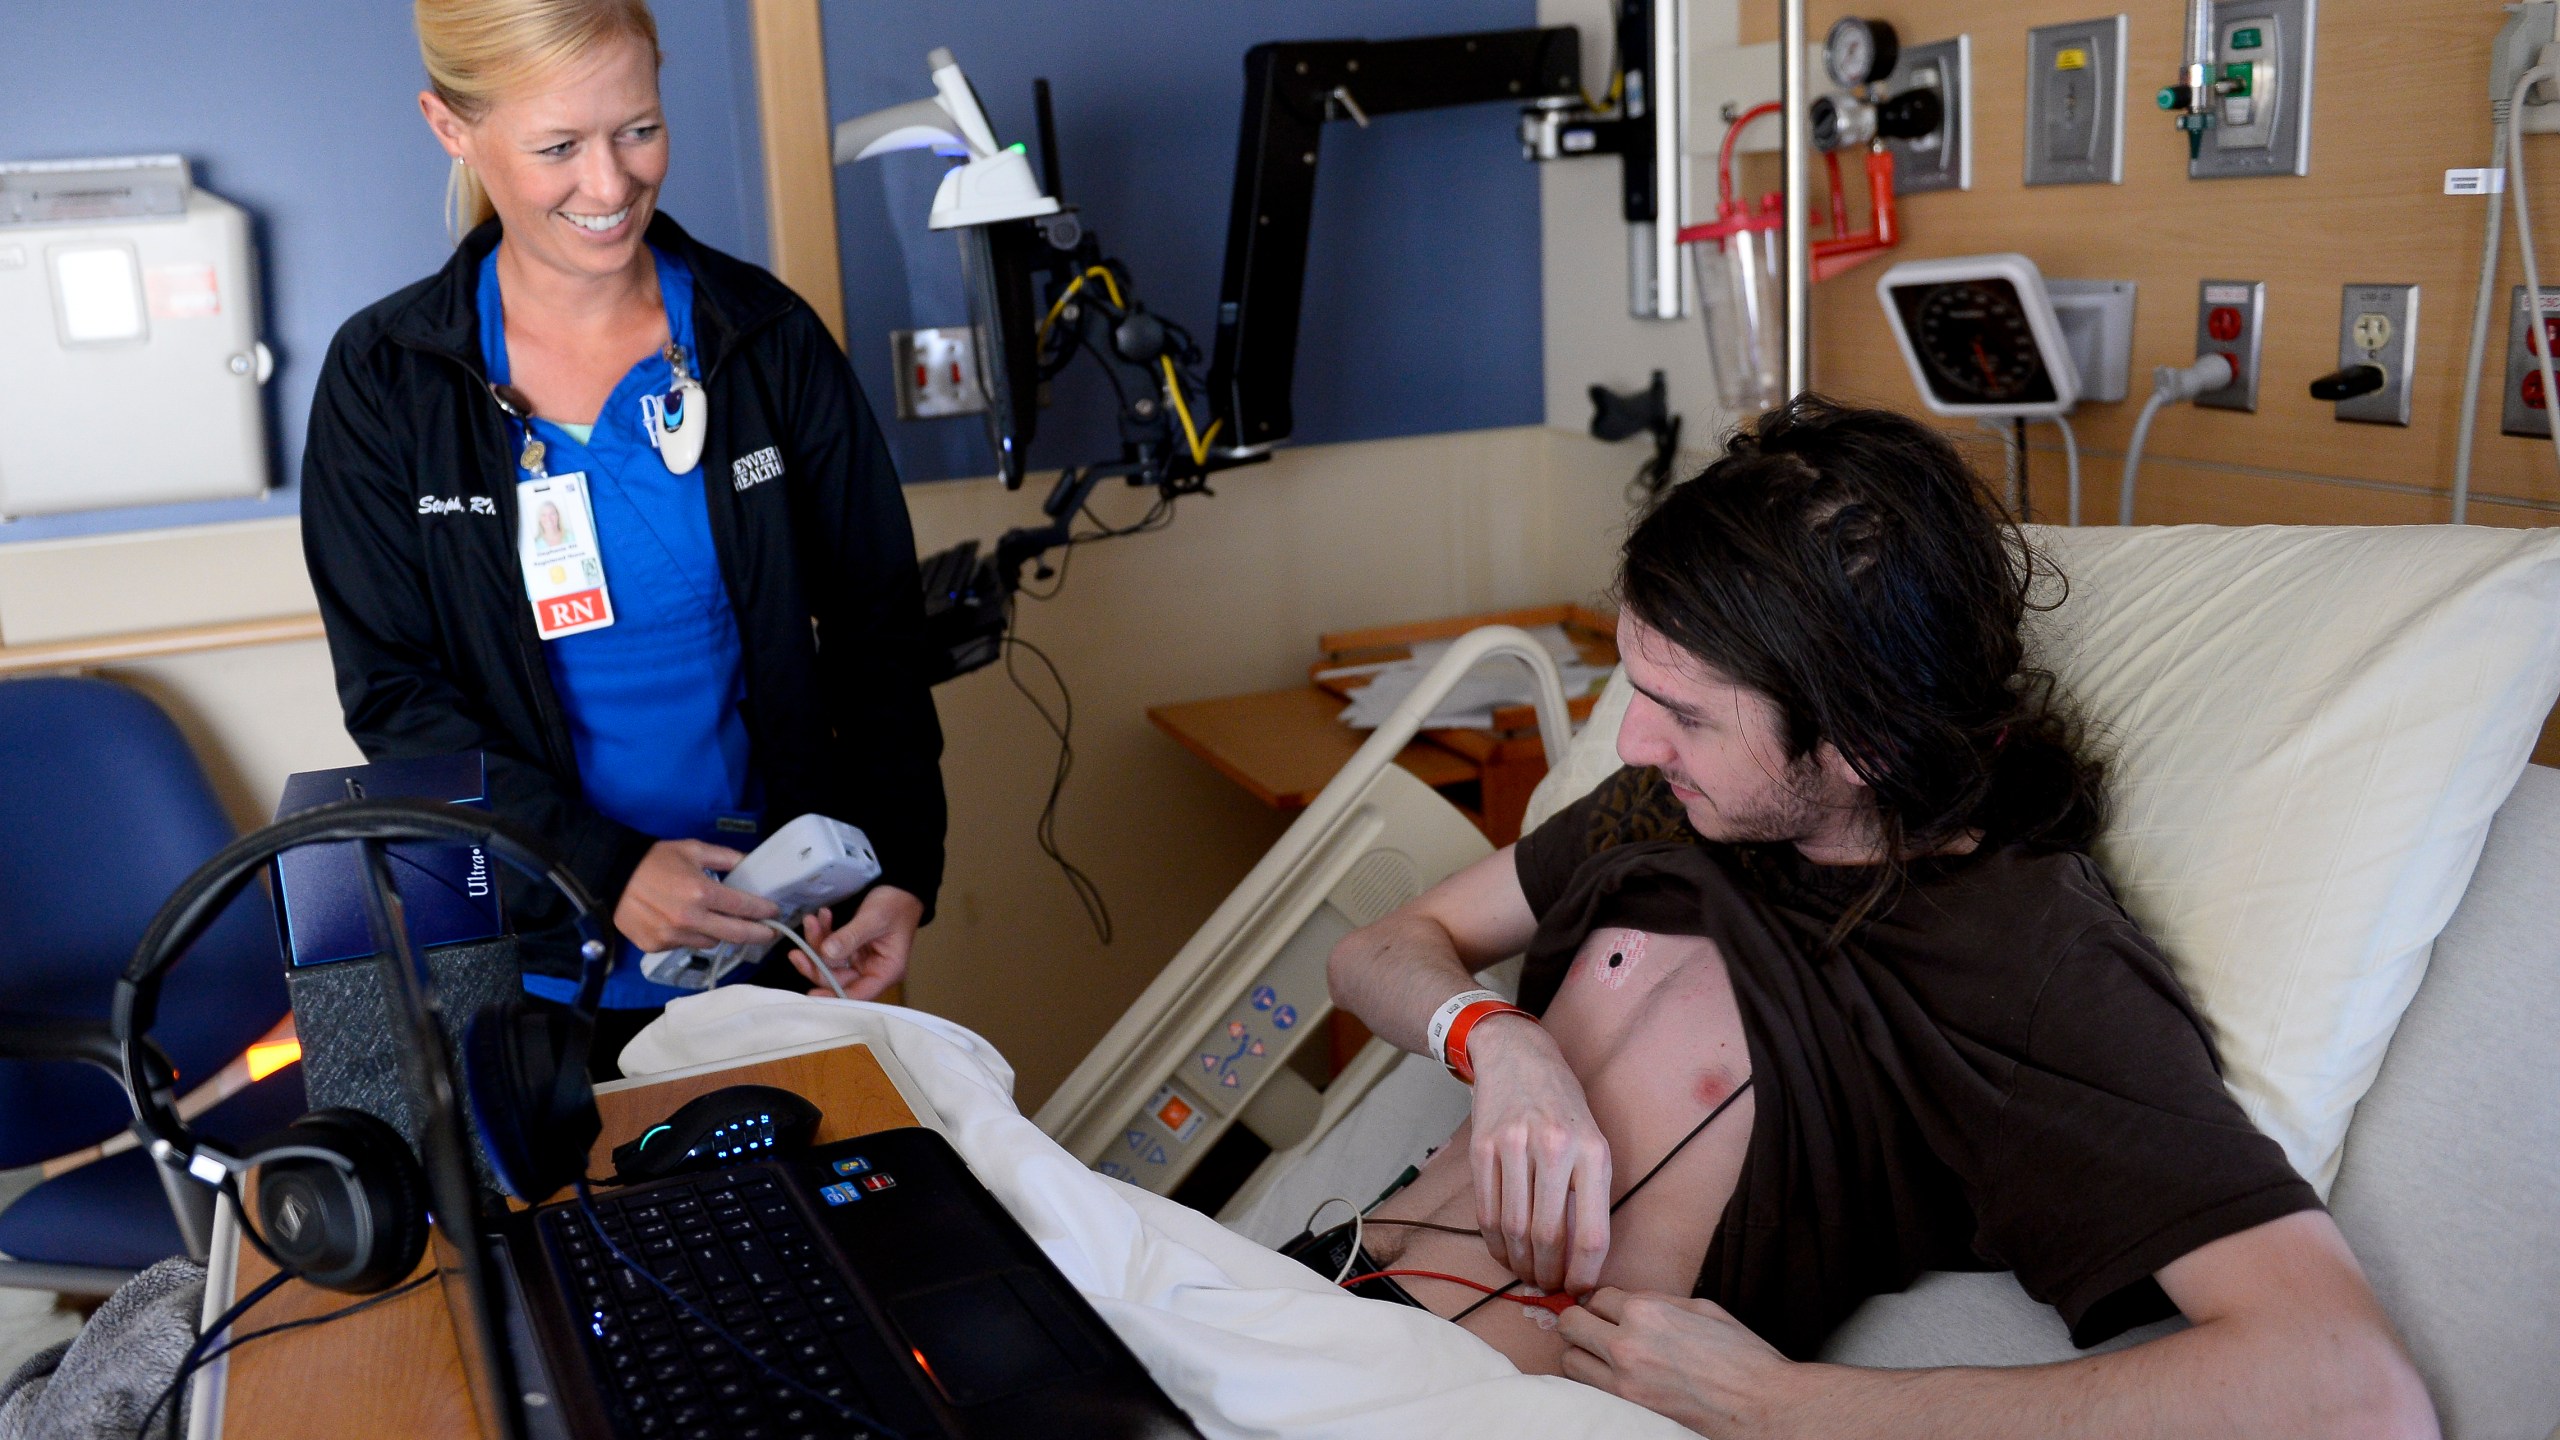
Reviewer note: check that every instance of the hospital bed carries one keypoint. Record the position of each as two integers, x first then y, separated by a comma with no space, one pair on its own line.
2449,1182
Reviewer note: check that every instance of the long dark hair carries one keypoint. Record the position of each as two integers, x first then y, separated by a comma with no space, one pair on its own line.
1850,566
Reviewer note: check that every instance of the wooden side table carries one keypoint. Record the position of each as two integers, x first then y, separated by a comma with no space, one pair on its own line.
394,1371
1282,746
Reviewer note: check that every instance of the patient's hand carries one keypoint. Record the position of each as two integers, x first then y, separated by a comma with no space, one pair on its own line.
1541,1164
868,953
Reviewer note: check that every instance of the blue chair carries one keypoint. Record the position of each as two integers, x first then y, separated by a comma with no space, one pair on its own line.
103,811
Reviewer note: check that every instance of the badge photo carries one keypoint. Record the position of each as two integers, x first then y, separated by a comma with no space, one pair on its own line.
563,566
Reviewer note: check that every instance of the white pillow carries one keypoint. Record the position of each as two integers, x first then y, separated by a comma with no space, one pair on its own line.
2311,727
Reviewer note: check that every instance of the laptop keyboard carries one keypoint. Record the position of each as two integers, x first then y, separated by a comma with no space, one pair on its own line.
734,1246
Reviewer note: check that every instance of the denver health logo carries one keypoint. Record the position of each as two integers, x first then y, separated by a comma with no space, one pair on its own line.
755,467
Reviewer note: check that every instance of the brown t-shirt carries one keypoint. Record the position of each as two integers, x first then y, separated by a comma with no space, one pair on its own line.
1995,1070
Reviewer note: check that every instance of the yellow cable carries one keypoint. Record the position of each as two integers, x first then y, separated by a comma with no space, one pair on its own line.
1617,86
1059,304
1198,441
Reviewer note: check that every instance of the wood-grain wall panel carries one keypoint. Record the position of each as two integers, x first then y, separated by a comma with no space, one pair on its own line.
2399,97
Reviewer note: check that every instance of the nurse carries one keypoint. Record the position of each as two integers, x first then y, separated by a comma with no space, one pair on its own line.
607,506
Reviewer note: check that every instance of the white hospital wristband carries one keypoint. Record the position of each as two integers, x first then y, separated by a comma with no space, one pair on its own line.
1436,1035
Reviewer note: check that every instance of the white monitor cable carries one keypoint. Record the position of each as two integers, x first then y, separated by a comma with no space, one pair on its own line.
2071,456
2481,304
825,971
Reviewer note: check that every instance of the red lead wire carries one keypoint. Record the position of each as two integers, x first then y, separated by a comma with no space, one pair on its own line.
1555,1304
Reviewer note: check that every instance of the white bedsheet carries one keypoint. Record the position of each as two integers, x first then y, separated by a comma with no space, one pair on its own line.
1247,1342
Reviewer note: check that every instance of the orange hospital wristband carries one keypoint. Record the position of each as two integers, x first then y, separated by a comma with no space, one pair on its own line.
1463,1026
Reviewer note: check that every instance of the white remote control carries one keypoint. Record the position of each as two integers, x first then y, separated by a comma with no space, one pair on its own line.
814,861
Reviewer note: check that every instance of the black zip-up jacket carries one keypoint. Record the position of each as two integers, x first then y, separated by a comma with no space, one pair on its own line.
409,527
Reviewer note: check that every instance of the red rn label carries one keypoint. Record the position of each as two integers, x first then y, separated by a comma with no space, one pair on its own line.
569,611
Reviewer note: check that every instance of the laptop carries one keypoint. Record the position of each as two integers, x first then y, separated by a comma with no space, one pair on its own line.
865,1288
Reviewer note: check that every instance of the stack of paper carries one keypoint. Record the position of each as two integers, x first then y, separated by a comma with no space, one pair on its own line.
1500,680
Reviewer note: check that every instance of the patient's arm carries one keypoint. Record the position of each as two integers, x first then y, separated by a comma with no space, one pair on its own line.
2287,1340
1535,1151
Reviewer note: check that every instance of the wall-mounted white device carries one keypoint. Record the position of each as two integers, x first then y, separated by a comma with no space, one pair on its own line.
996,183
1981,336
812,862
129,347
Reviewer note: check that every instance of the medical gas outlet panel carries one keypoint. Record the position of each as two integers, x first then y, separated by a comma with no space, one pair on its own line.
2243,97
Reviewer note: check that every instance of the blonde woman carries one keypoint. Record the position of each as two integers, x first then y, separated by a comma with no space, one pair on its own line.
739,641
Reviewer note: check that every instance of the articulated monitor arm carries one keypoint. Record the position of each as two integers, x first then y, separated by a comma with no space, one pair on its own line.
1291,89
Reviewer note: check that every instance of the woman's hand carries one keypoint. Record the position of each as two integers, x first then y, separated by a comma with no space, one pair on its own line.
869,952
1541,1164
670,903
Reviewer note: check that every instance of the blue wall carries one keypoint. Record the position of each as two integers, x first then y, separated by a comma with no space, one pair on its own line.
1422,302
305,113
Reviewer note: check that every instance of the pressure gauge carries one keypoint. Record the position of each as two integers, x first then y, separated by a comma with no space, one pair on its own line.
1859,51
1980,335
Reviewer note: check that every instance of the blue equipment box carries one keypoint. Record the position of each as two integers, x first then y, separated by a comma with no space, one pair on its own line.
449,890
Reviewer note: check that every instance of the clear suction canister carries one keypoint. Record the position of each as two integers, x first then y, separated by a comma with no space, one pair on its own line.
1741,294
1740,266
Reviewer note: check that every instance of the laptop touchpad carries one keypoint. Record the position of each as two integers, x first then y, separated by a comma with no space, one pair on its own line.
980,1341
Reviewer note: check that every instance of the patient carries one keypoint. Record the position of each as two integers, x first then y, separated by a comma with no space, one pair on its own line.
1828,993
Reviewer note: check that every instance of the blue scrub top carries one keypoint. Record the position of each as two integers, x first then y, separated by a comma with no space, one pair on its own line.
652,700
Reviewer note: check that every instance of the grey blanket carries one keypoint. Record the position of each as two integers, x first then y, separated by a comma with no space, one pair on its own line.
96,1385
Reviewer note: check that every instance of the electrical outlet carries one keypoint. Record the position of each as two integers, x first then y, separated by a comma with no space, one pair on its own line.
2230,319
2525,410
2378,325
937,372
2263,127
1943,161
2075,103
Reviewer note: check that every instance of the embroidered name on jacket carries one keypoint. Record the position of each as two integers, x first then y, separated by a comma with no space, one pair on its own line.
755,467
456,505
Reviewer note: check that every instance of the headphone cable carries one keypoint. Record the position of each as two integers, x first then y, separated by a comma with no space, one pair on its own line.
196,1353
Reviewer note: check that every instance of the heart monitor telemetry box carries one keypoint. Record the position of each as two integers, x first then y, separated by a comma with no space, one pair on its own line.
448,889
811,862
129,347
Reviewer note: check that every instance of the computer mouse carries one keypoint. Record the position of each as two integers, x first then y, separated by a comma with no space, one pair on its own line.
738,1122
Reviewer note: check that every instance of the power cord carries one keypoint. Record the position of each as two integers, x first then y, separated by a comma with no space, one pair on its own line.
2537,331
2170,384
1061,723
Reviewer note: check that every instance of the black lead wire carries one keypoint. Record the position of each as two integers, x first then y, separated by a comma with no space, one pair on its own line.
1699,1129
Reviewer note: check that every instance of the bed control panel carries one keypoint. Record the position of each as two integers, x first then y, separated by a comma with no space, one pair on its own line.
1231,1061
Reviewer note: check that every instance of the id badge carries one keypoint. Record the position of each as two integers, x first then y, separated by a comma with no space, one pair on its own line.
563,564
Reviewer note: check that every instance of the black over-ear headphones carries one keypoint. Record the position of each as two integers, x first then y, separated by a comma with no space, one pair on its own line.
342,1201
